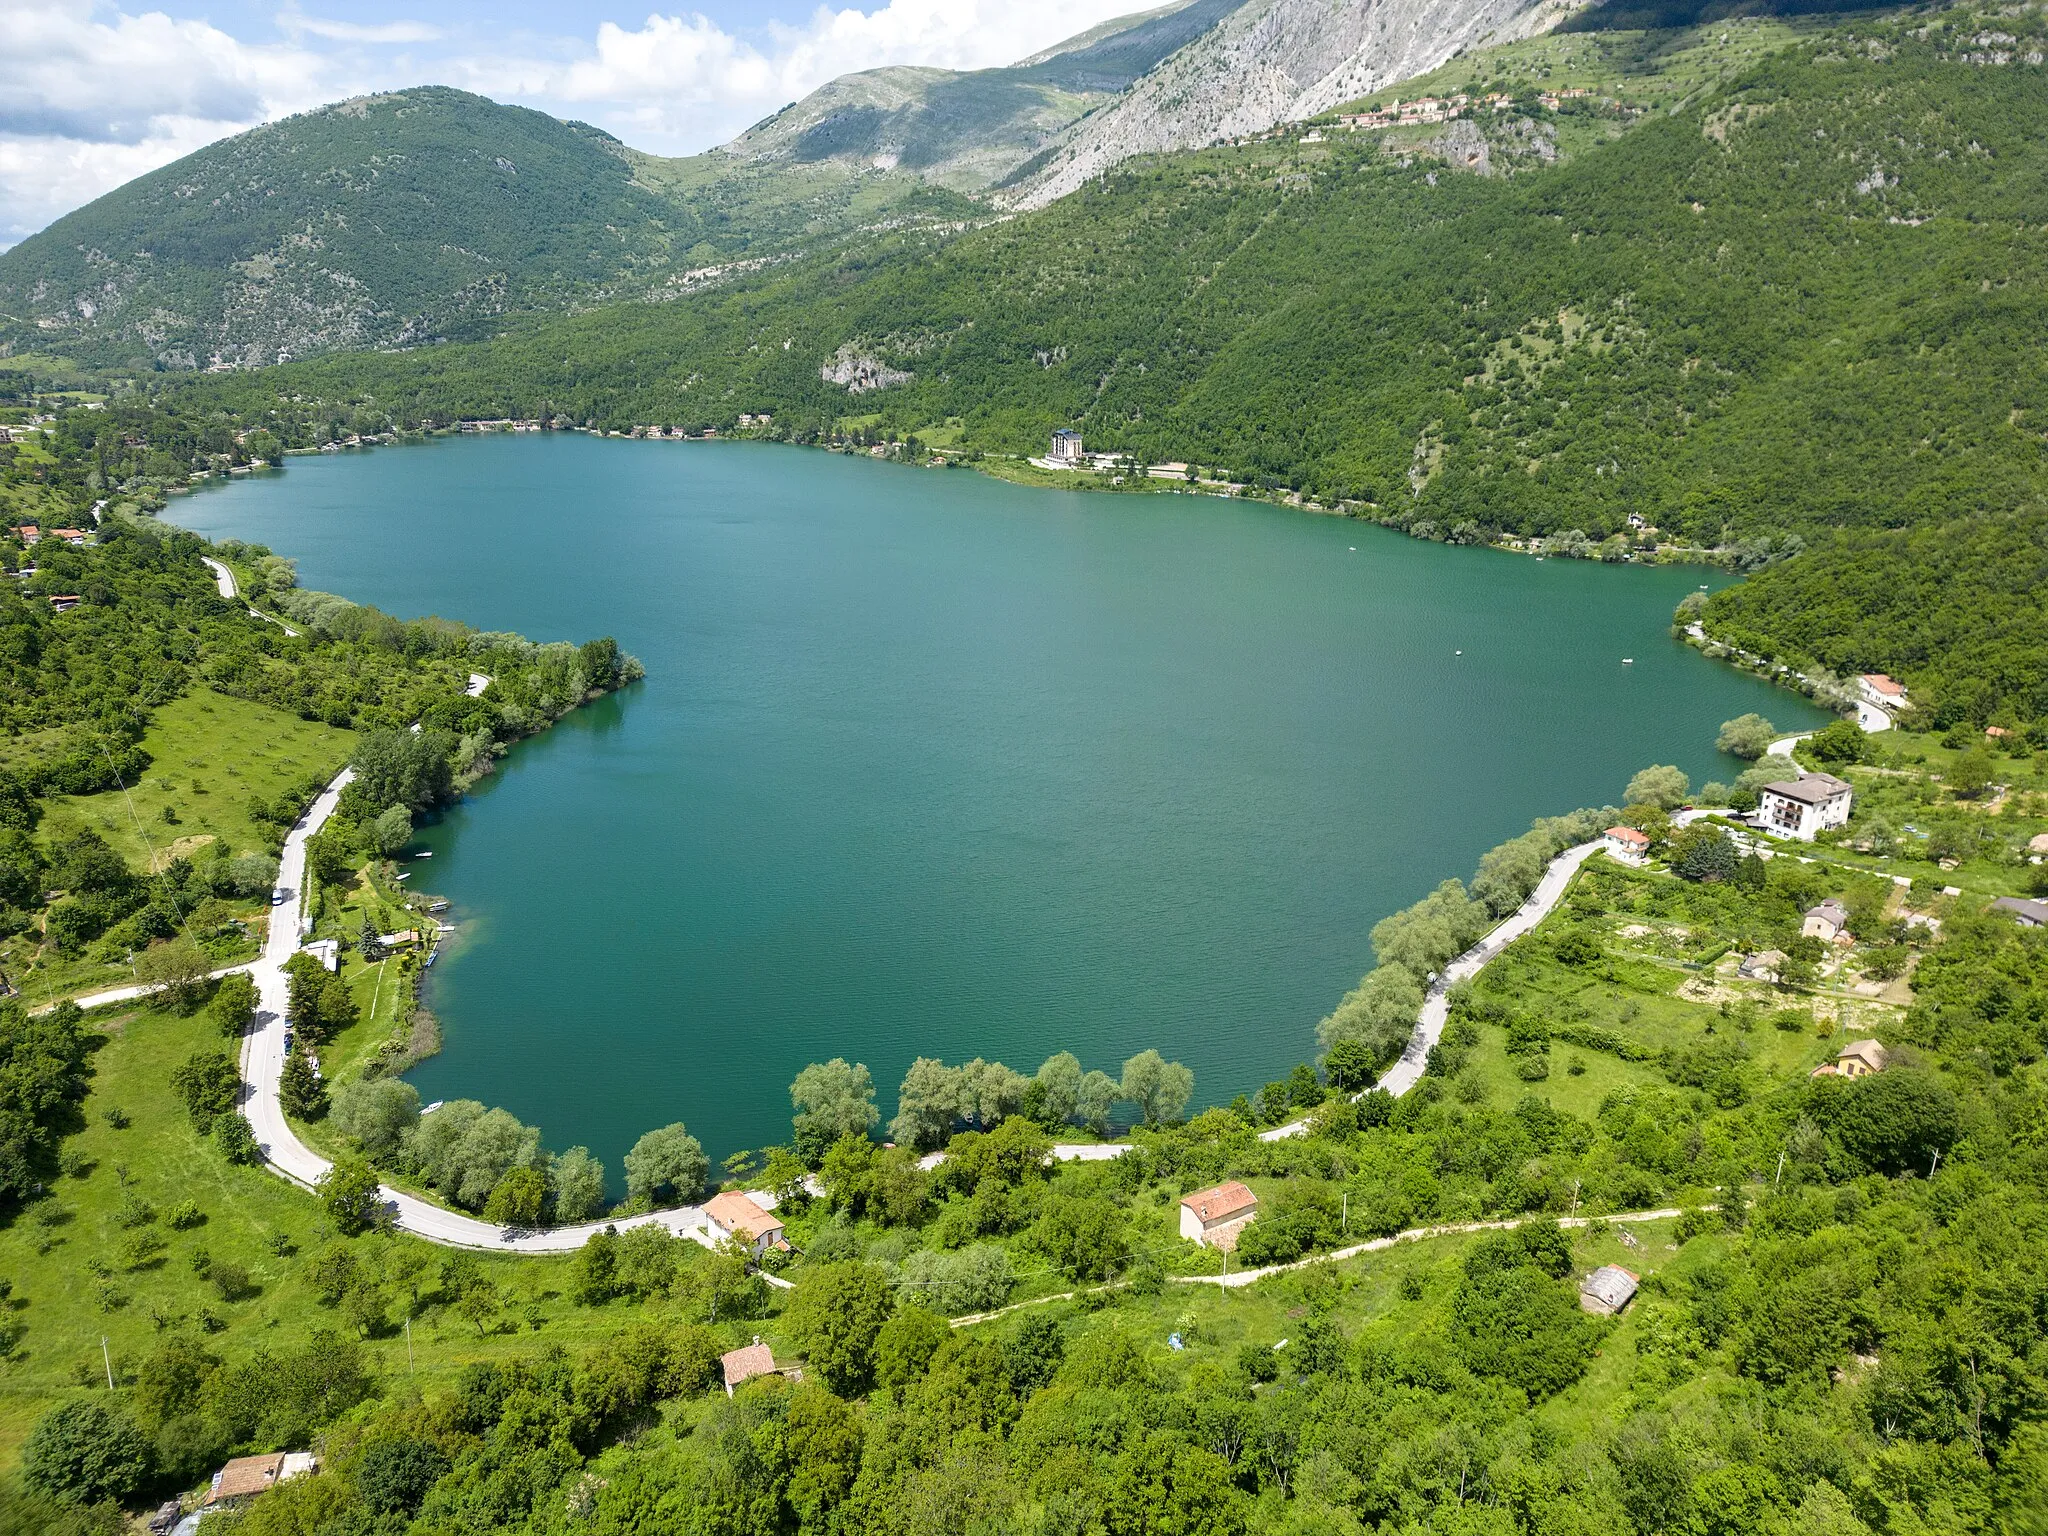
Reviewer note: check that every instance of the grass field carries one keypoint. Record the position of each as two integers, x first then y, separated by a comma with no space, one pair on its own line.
210,755
1654,70
79,1276
1634,992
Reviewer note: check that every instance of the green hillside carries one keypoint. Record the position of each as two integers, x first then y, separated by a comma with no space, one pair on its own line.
427,214
1800,300
387,219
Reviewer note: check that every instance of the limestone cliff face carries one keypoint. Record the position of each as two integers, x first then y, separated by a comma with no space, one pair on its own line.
1271,61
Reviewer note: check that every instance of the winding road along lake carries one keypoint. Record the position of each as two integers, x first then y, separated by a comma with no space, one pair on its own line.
929,764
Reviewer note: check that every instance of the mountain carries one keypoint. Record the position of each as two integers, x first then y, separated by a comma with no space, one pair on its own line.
967,130
381,221
1274,61
431,214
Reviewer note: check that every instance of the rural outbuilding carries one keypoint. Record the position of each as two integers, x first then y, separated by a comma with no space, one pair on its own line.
1607,1290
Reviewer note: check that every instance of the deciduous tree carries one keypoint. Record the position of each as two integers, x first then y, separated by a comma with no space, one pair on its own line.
666,1164
831,1099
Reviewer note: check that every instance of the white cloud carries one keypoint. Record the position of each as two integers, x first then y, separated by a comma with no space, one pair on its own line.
91,95
352,32
683,83
86,104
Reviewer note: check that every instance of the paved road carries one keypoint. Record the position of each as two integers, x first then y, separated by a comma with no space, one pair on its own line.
225,580
263,1065
129,994
1063,1151
1429,1025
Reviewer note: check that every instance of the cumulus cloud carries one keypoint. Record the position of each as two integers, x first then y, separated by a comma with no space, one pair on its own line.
86,103
92,95
685,83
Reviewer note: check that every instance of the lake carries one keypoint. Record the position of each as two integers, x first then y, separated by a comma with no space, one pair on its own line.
930,764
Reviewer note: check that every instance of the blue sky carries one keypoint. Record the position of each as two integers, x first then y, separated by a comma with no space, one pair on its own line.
95,92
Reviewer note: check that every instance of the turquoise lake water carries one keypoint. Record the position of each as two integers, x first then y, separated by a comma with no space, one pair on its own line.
929,764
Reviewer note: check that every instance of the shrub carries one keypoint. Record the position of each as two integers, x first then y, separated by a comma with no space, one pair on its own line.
835,1316
230,1281
209,1085
1258,1362
391,1477
237,1142
378,1112
234,1004
186,1215
349,1191
666,1163
84,1452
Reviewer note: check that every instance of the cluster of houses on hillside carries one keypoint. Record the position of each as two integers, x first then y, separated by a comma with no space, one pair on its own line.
32,533
1441,109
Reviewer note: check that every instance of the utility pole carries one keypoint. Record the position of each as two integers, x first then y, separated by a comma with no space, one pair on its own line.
408,1344
109,1361
1345,1219
1781,1169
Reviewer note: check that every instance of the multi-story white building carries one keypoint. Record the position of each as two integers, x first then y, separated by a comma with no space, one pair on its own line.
1805,807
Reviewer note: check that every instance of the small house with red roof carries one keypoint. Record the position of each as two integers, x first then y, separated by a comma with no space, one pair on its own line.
1625,844
1214,1217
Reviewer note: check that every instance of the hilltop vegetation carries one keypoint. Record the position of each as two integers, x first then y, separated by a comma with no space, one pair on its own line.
413,216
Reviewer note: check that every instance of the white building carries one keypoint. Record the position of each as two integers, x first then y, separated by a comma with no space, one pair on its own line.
1066,447
1804,808
1625,845
736,1215
1886,693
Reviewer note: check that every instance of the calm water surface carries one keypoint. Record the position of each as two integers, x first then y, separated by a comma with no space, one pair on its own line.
928,764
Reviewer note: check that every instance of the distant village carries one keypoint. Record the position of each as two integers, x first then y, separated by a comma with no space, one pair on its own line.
1441,109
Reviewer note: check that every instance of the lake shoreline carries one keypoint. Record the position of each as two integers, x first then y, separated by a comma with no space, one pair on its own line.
1165,535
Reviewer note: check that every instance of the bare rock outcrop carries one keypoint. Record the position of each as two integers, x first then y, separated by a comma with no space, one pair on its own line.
1274,61
857,370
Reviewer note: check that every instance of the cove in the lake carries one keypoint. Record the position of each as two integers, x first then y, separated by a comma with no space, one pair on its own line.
930,764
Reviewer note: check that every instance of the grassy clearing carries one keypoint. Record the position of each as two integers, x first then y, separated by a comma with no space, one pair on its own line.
52,1254
210,755
1391,1299
1656,70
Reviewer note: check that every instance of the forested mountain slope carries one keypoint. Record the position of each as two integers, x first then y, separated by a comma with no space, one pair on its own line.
424,214
381,221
